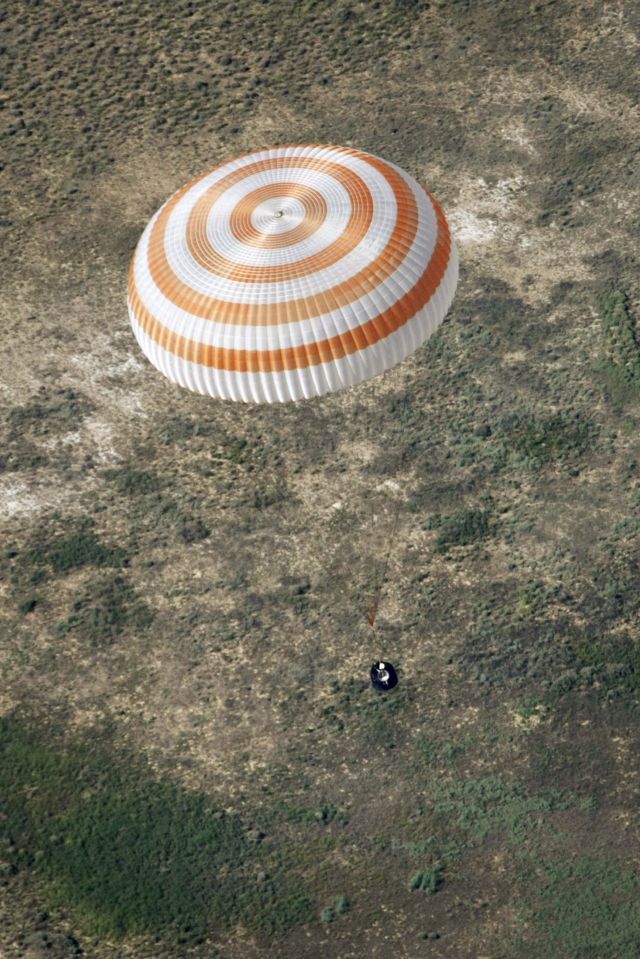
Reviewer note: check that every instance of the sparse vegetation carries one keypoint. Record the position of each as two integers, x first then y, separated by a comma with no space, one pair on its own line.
435,752
32,434
324,814
588,907
358,709
478,808
186,582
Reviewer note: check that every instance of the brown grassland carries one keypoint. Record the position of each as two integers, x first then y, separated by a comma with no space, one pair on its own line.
193,763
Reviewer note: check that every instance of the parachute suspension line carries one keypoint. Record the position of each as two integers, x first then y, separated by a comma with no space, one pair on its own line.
379,580
374,604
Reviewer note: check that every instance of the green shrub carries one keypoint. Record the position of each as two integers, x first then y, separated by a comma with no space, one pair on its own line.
612,663
429,880
341,905
134,482
328,813
106,610
28,605
463,528
72,550
192,530
542,440
57,411
621,364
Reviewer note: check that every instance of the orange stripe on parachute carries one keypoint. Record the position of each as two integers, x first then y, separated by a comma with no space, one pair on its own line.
309,354
305,308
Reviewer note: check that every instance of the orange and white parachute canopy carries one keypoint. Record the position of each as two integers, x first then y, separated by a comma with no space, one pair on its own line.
289,273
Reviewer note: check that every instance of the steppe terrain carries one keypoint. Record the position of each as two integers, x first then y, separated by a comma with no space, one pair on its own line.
193,761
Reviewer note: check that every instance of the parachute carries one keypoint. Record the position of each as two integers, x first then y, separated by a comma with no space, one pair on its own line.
290,273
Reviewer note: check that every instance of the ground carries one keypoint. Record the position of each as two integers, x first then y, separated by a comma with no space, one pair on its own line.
193,762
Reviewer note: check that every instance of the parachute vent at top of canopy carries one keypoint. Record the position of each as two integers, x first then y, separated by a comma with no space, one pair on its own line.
289,273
